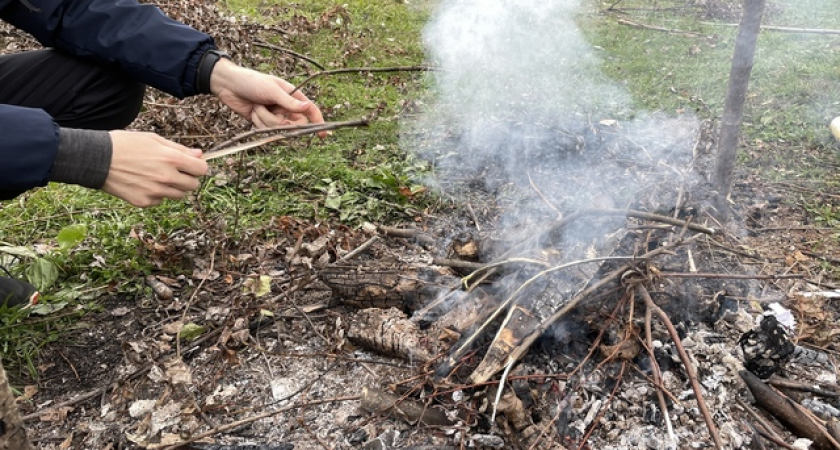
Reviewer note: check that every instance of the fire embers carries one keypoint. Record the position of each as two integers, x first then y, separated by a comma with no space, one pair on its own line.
767,348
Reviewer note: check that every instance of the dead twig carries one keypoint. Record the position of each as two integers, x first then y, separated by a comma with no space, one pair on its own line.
782,29
81,398
757,417
407,233
805,387
375,401
295,131
544,199
236,424
689,368
657,375
655,28
297,55
776,440
358,250
725,276
604,407
362,69
252,419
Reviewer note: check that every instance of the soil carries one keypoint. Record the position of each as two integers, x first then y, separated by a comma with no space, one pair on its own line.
272,365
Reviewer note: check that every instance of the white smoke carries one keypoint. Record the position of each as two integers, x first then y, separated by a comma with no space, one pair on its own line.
520,98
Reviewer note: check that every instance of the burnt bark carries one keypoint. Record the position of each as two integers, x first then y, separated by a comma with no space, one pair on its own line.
784,410
733,110
12,432
401,287
411,411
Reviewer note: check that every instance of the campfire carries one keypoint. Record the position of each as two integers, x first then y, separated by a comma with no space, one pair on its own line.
596,328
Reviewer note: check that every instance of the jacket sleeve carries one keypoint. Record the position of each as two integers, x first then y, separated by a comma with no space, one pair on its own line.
27,149
140,39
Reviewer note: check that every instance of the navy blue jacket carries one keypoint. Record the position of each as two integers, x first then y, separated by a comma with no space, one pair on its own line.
139,39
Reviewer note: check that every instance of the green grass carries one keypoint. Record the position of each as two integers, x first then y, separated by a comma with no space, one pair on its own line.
794,84
355,175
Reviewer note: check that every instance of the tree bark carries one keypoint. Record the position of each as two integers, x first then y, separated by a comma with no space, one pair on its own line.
12,432
733,110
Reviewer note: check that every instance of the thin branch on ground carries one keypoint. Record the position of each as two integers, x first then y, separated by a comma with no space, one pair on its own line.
195,292
544,199
782,29
363,69
689,368
657,374
655,28
358,250
252,419
757,417
726,276
297,55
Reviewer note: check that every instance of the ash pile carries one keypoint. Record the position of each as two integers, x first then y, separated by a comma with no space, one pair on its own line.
609,308
556,313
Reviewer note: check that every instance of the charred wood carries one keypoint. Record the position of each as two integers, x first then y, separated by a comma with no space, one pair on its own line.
389,332
785,411
375,401
403,287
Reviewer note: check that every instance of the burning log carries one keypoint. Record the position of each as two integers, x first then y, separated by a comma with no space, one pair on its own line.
529,310
389,332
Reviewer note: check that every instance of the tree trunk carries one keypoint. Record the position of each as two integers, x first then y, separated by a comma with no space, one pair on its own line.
12,432
733,110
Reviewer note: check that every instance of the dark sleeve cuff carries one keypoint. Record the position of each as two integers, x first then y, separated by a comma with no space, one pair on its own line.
205,69
83,158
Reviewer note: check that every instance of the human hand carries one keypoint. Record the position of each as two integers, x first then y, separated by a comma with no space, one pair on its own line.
262,99
146,168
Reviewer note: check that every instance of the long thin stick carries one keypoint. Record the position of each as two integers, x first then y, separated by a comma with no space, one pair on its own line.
363,69
782,29
259,131
291,52
726,276
264,415
267,140
689,368
657,375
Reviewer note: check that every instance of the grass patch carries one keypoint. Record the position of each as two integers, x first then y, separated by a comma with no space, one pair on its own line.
794,75
353,176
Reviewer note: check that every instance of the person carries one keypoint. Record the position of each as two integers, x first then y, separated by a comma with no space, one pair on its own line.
63,109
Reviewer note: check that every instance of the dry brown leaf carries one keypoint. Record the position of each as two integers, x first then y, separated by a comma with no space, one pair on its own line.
57,414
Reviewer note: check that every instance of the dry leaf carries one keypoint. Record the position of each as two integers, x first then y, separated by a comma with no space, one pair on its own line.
57,414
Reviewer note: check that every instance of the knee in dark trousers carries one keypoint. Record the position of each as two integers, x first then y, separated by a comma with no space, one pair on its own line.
76,92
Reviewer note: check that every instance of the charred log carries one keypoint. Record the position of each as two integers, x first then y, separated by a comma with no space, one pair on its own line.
403,287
